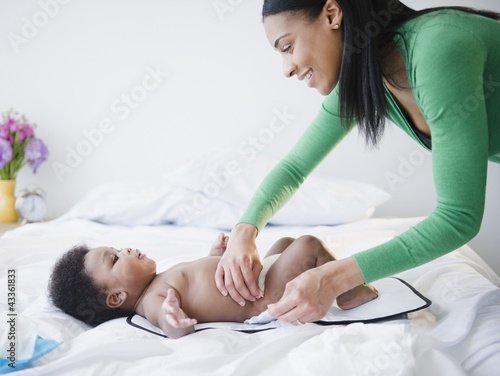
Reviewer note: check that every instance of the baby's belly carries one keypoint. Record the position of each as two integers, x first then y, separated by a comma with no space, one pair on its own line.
203,301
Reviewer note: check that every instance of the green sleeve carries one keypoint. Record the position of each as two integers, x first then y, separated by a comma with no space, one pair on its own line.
282,182
446,72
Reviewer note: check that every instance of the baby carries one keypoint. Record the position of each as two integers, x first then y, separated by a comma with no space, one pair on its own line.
97,285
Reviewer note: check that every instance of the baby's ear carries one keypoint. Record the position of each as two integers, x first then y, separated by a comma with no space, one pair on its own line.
116,299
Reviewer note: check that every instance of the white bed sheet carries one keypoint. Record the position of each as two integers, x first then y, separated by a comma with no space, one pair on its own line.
459,334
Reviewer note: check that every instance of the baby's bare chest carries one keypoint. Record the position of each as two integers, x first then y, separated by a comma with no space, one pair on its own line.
187,278
200,298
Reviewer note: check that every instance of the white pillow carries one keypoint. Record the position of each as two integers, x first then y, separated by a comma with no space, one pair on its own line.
134,203
213,191
227,177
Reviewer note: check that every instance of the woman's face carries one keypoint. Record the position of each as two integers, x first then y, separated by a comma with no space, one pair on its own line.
310,50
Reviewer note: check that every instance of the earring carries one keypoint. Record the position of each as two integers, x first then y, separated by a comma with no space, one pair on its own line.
336,26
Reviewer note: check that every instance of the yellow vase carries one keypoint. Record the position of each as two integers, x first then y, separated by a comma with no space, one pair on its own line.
7,201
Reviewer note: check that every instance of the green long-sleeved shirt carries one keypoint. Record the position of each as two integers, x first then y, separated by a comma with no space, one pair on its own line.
453,66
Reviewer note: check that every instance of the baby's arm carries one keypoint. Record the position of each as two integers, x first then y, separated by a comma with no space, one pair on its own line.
166,313
219,245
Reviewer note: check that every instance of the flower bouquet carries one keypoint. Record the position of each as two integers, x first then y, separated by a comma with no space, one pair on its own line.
18,147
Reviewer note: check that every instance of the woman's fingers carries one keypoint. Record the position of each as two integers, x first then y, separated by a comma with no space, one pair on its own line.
250,277
306,298
238,280
224,283
293,317
219,279
285,309
244,275
238,269
231,281
291,312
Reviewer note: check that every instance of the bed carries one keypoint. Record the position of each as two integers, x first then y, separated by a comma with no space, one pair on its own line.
458,334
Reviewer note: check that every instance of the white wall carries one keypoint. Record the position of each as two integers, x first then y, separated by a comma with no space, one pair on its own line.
72,71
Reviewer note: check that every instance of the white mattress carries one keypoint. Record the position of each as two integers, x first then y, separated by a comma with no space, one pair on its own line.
459,334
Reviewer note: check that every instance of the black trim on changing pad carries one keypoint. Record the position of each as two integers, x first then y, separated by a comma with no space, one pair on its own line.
397,316
427,301
129,321
249,331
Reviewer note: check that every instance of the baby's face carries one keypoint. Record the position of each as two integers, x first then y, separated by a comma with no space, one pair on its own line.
124,269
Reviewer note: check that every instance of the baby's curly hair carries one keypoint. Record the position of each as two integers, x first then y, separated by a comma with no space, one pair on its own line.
73,291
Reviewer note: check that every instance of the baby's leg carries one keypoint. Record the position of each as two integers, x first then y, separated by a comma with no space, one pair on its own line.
305,253
279,246
300,255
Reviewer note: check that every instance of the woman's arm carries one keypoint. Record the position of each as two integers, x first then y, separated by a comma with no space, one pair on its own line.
240,266
447,79
446,72
322,136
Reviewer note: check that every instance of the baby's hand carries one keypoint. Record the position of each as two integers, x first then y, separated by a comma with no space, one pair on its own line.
174,315
219,245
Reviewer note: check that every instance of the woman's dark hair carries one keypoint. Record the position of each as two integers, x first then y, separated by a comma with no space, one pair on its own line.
73,291
362,99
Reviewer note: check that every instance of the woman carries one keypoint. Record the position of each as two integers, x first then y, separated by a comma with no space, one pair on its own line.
435,73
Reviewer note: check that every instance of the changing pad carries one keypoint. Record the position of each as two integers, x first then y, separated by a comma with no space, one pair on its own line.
396,299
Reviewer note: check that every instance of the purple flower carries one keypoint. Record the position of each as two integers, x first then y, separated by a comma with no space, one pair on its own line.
5,152
4,133
14,126
36,153
21,135
26,128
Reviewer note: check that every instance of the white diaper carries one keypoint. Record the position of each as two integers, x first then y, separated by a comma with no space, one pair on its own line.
264,317
266,265
261,319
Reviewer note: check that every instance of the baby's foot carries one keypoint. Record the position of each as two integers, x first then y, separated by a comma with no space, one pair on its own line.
357,296
219,245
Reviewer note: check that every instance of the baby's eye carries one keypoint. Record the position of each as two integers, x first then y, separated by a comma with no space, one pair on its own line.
115,259
286,49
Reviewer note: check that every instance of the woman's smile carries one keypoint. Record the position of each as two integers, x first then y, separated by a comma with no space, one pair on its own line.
306,75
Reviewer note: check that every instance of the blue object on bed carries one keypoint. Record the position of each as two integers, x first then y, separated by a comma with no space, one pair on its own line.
42,347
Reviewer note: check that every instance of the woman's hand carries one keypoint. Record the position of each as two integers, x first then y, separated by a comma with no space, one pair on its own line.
240,266
310,295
